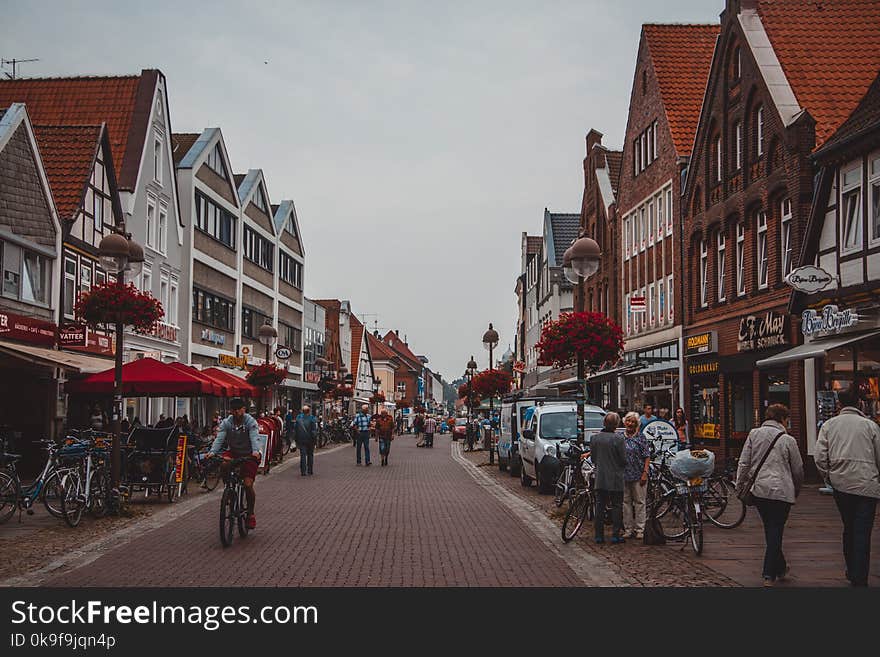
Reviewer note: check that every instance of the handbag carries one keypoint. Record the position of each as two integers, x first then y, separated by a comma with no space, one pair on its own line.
745,493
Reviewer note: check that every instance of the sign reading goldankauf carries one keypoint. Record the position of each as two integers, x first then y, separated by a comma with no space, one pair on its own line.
809,279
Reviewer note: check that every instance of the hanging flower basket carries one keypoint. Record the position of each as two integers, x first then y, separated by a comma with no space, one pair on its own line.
110,303
343,392
595,337
402,403
266,375
470,396
378,399
492,383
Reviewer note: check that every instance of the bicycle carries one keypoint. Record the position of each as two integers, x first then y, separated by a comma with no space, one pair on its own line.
87,486
723,508
45,488
565,483
233,504
582,499
685,520
200,469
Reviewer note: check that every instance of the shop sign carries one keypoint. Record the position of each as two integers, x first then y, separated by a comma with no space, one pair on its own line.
829,320
229,360
637,304
213,337
96,343
706,367
26,329
809,279
701,343
164,331
72,335
181,457
661,433
312,377
761,332
283,353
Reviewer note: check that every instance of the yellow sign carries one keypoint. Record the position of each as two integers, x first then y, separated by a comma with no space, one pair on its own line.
709,367
181,458
232,361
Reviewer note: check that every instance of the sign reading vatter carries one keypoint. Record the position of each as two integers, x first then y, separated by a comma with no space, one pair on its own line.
809,279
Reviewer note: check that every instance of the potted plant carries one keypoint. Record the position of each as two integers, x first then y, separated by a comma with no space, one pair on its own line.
109,304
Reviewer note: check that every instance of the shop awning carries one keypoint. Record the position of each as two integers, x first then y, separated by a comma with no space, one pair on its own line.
218,390
815,349
304,385
69,360
145,377
229,389
245,389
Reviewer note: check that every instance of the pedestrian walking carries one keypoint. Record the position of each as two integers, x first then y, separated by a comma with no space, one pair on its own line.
289,426
430,429
771,469
682,428
305,433
848,458
647,416
608,452
384,434
361,424
419,426
635,477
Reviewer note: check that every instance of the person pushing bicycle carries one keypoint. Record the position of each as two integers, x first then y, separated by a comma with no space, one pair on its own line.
240,433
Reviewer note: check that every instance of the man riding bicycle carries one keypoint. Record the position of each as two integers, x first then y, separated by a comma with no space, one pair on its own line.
240,432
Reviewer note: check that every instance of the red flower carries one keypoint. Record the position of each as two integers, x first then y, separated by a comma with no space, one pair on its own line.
594,337
265,375
110,303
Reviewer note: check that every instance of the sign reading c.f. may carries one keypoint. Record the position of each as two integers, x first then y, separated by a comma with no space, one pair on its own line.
809,279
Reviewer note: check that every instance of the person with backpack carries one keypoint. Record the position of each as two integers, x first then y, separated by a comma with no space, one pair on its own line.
305,431
770,474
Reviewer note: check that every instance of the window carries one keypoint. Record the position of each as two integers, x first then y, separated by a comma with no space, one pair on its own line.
654,137
651,222
289,269
874,200
290,336
151,223
762,256
171,310
290,227
644,312
215,161
215,221
163,291
660,221
740,259
643,229
210,309
736,64
649,137
85,276
636,158
69,286
163,228
157,159
661,301
722,247
669,297
260,200
644,151
718,158
704,263
652,303
759,131
401,388
251,321
25,274
669,211
258,249
147,278
852,209
738,144
635,232
785,236
626,238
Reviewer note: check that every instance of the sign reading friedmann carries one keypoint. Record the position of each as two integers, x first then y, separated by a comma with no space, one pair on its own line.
757,332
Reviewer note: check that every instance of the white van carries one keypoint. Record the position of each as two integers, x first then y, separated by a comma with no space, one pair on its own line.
549,424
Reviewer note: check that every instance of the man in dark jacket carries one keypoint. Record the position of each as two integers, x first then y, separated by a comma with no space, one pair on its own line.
305,433
608,452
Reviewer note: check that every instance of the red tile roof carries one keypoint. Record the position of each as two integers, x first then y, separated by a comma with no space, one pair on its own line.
402,350
357,338
124,103
181,143
534,244
614,160
864,120
68,154
379,350
829,51
682,55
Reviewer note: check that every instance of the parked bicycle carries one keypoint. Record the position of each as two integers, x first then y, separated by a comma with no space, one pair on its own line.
86,487
684,520
233,504
45,488
198,468
582,497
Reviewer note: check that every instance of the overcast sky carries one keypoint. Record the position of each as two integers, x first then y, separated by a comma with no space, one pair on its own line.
418,139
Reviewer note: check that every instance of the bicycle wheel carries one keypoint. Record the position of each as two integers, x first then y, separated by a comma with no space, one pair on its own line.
242,512
10,492
723,508
171,482
52,493
574,517
665,497
591,506
99,494
674,522
212,473
228,512
562,487
73,498
695,517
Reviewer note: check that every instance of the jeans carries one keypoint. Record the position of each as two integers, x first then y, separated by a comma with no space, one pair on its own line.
857,514
429,440
774,515
363,438
306,457
384,446
603,497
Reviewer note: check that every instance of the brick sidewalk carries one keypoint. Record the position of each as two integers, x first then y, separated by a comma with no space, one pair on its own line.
422,521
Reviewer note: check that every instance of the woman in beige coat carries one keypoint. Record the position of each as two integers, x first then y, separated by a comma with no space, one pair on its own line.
776,486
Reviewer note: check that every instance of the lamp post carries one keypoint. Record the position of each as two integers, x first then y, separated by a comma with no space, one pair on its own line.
267,335
321,363
580,261
376,384
490,341
469,373
118,253
342,371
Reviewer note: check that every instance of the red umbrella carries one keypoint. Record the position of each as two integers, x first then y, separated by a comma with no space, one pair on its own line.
216,389
245,388
145,377
229,389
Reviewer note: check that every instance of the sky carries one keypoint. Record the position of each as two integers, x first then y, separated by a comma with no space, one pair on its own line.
418,140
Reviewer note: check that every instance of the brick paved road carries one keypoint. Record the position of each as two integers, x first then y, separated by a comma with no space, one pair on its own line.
424,520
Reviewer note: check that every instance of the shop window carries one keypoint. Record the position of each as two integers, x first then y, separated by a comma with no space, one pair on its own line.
741,406
705,412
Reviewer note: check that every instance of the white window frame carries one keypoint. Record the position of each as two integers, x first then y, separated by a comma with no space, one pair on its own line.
651,222
661,218
738,132
626,238
164,290
152,219
718,158
173,301
644,151
644,313
762,257
873,188
720,265
158,159
652,300
68,277
852,189
162,229
669,213
643,228
740,259
759,128
670,295
661,301
654,134
634,220
704,278
147,278
785,250
649,136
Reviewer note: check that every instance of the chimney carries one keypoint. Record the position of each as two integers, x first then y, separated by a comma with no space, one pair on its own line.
375,334
397,333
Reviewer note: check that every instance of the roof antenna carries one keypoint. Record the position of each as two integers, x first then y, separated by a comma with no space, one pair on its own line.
15,63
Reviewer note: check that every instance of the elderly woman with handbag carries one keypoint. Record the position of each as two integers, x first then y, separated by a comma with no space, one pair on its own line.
769,477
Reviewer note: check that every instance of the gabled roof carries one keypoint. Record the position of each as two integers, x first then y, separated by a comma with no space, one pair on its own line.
864,119
239,178
560,230
357,338
68,154
681,55
124,103
829,51
181,144
533,244
379,350
613,162
396,344
284,212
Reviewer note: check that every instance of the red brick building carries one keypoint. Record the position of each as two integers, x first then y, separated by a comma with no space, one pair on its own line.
778,87
406,378
668,84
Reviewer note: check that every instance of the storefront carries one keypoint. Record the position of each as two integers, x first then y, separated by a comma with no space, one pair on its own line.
653,379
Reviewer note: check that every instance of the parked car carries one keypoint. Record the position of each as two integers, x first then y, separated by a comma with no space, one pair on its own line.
459,431
515,410
548,425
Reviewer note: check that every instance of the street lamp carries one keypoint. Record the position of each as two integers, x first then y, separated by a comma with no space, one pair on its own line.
579,262
490,341
377,382
342,371
469,374
267,335
118,253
